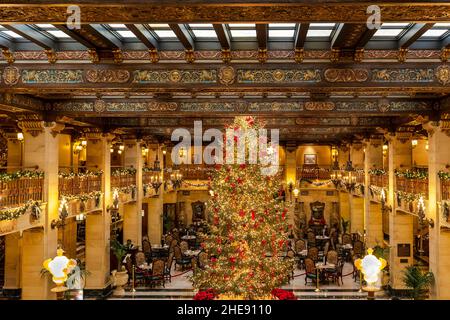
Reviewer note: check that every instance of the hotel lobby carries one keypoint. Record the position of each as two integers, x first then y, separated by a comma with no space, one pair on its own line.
204,150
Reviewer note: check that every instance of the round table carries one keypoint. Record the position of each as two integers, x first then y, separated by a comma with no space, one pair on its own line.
322,266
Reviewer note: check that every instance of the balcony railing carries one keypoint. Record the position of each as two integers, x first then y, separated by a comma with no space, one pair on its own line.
311,173
381,181
123,178
445,189
18,191
78,184
360,176
413,186
196,172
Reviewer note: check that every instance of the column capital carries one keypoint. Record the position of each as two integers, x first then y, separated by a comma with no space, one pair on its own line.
36,127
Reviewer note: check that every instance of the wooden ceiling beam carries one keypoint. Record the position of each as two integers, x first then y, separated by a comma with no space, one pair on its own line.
300,38
141,32
261,37
76,36
183,35
414,33
222,35
34,36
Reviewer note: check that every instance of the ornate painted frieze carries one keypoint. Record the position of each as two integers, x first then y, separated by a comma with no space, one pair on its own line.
403,75
443,74
207,107
127,106
346,75
323,121
319,106
357,106
398,106
107,76
54,76
175,76
162,122
278,75
73,106
21,101
275,107
162,106
11,75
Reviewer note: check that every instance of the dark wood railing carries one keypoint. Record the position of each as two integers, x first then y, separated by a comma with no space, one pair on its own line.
311,173
414,186
123,180
445,189
78,185
17,192
381,181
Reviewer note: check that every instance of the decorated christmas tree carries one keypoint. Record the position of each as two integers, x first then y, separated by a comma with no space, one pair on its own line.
248,229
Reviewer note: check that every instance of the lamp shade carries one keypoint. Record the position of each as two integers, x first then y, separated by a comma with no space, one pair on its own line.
370,266
60,266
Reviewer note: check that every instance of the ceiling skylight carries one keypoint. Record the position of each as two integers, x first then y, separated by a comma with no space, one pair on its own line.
281,33
58,34
243,33
12,34
388,32
165,34
319,33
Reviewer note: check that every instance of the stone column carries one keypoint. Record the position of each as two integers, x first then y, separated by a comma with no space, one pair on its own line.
98,223
132,220
373,223
155,206
400,223
291,164
15,151
343,155
356,214
357,154
439,242
13,252
41,149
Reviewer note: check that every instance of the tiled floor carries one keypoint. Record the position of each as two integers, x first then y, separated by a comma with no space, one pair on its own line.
181,288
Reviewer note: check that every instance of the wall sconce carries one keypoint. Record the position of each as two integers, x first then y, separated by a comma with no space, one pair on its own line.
296,192
80,217
111,150
20,136
63,214
414,143
164,152
121,147
84,143
426,146
119,151
156,181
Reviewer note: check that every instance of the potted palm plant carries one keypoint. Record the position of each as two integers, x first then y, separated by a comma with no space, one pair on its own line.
417,281
119,276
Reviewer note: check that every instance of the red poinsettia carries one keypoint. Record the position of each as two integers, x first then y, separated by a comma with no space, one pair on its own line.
283,294
205,295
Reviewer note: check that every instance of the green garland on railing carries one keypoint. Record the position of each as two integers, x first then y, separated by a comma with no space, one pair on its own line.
6,177
408,197
377,172
15,213
71,175
444,175
123,172
409,174
84,196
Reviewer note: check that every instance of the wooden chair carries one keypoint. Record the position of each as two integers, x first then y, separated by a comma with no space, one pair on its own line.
168,267
346,239
332,257
172,245
139,275
313,253
184,246
311,237
180,259
358,247
311,272
203,259
157,276
325,250
147,249
300,245
335,274
168,239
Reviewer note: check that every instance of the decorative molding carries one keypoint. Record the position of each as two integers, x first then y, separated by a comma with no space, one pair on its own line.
189,55
11,76
275,107
175,76
262,55
93,55
319,106
118,56
401,57
278,75
51,55
299,55
56,76
154,55
8,55
226,55
443,74
403,75
445,54
227,75
346,75
107,76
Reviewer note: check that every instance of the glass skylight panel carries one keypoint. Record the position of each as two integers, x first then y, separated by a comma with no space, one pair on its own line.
12,34
126,33
319,33
277,33
281,25
445,25
329,25
243,33
201,25
118,26
388,32
58,34
199,33
434,33
165,33
239,25
159,25
45,26
395,25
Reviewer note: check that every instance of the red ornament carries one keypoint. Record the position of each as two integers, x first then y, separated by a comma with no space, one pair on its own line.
219,250
233,185
219,240
253,215
243,166
263,242
232,259
231,237
239,180
242,213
